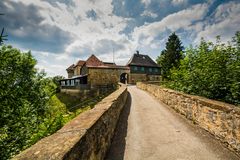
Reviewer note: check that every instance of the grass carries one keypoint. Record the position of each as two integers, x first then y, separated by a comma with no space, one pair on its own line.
62,109
70,106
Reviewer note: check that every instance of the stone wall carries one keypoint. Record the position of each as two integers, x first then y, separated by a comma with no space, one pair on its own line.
70,74
83,93
137,77
220,119
86,137
104,76
153,77
77,70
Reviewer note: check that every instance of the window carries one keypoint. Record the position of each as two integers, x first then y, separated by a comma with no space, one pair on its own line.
150,69
156,70
142,69
72,82
135,68
77,81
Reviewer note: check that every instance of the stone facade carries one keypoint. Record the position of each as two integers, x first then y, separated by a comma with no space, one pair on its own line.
220,119
86,137
95,72
70,71
70,74
143,68
104,76
84,70
140,68
136,77
77,70
154,78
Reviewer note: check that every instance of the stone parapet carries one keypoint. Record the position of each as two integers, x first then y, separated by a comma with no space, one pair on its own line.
86,137
220,119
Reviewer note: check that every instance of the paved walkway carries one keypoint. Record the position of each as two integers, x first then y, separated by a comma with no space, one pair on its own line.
151,130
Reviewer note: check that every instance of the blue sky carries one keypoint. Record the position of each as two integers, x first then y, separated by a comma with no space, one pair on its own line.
60,32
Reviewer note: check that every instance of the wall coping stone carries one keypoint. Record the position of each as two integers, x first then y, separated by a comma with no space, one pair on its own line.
214,104
60,144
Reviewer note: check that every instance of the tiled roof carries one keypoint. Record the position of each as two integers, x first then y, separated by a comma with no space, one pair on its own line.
142,60
94,61
110,67
109,64
71,68
80,63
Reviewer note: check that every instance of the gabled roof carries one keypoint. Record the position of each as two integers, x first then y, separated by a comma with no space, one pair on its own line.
80,63
71,68
93,61
142,60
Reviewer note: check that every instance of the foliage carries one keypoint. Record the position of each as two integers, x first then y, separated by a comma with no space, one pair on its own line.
24,94
56,80
171,56
30,109
210,70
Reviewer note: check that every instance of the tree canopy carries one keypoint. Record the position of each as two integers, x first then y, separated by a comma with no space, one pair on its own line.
30,108
211,70
24,96
170,57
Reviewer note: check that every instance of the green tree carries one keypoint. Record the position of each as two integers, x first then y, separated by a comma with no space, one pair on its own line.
171,56
233,71
56,80
210,70
24,95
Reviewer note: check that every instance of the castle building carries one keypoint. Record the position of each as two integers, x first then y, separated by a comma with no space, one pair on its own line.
94,72
143,68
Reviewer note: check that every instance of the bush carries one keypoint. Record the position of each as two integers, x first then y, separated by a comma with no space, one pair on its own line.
210,70
30,109
24,96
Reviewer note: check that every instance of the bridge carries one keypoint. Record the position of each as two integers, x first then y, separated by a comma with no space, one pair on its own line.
149,129
148,123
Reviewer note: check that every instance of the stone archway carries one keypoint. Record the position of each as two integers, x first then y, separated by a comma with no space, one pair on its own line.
124,78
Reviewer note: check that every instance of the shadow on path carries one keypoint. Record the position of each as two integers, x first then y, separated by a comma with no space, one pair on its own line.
117,148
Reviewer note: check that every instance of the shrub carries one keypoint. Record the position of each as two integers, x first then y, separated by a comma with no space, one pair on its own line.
210,70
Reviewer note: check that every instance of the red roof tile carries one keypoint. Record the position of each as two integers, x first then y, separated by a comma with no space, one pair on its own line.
94,61
70,67
109,64
110,67
80,63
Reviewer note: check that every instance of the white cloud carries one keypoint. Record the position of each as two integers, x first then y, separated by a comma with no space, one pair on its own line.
101,34
149,14
179,2
182,19
226,23
53,64
88,33
146,2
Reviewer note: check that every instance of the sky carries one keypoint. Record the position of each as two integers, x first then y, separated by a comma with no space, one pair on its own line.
60,32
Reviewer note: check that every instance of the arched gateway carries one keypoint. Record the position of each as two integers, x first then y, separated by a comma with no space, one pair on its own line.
124,78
